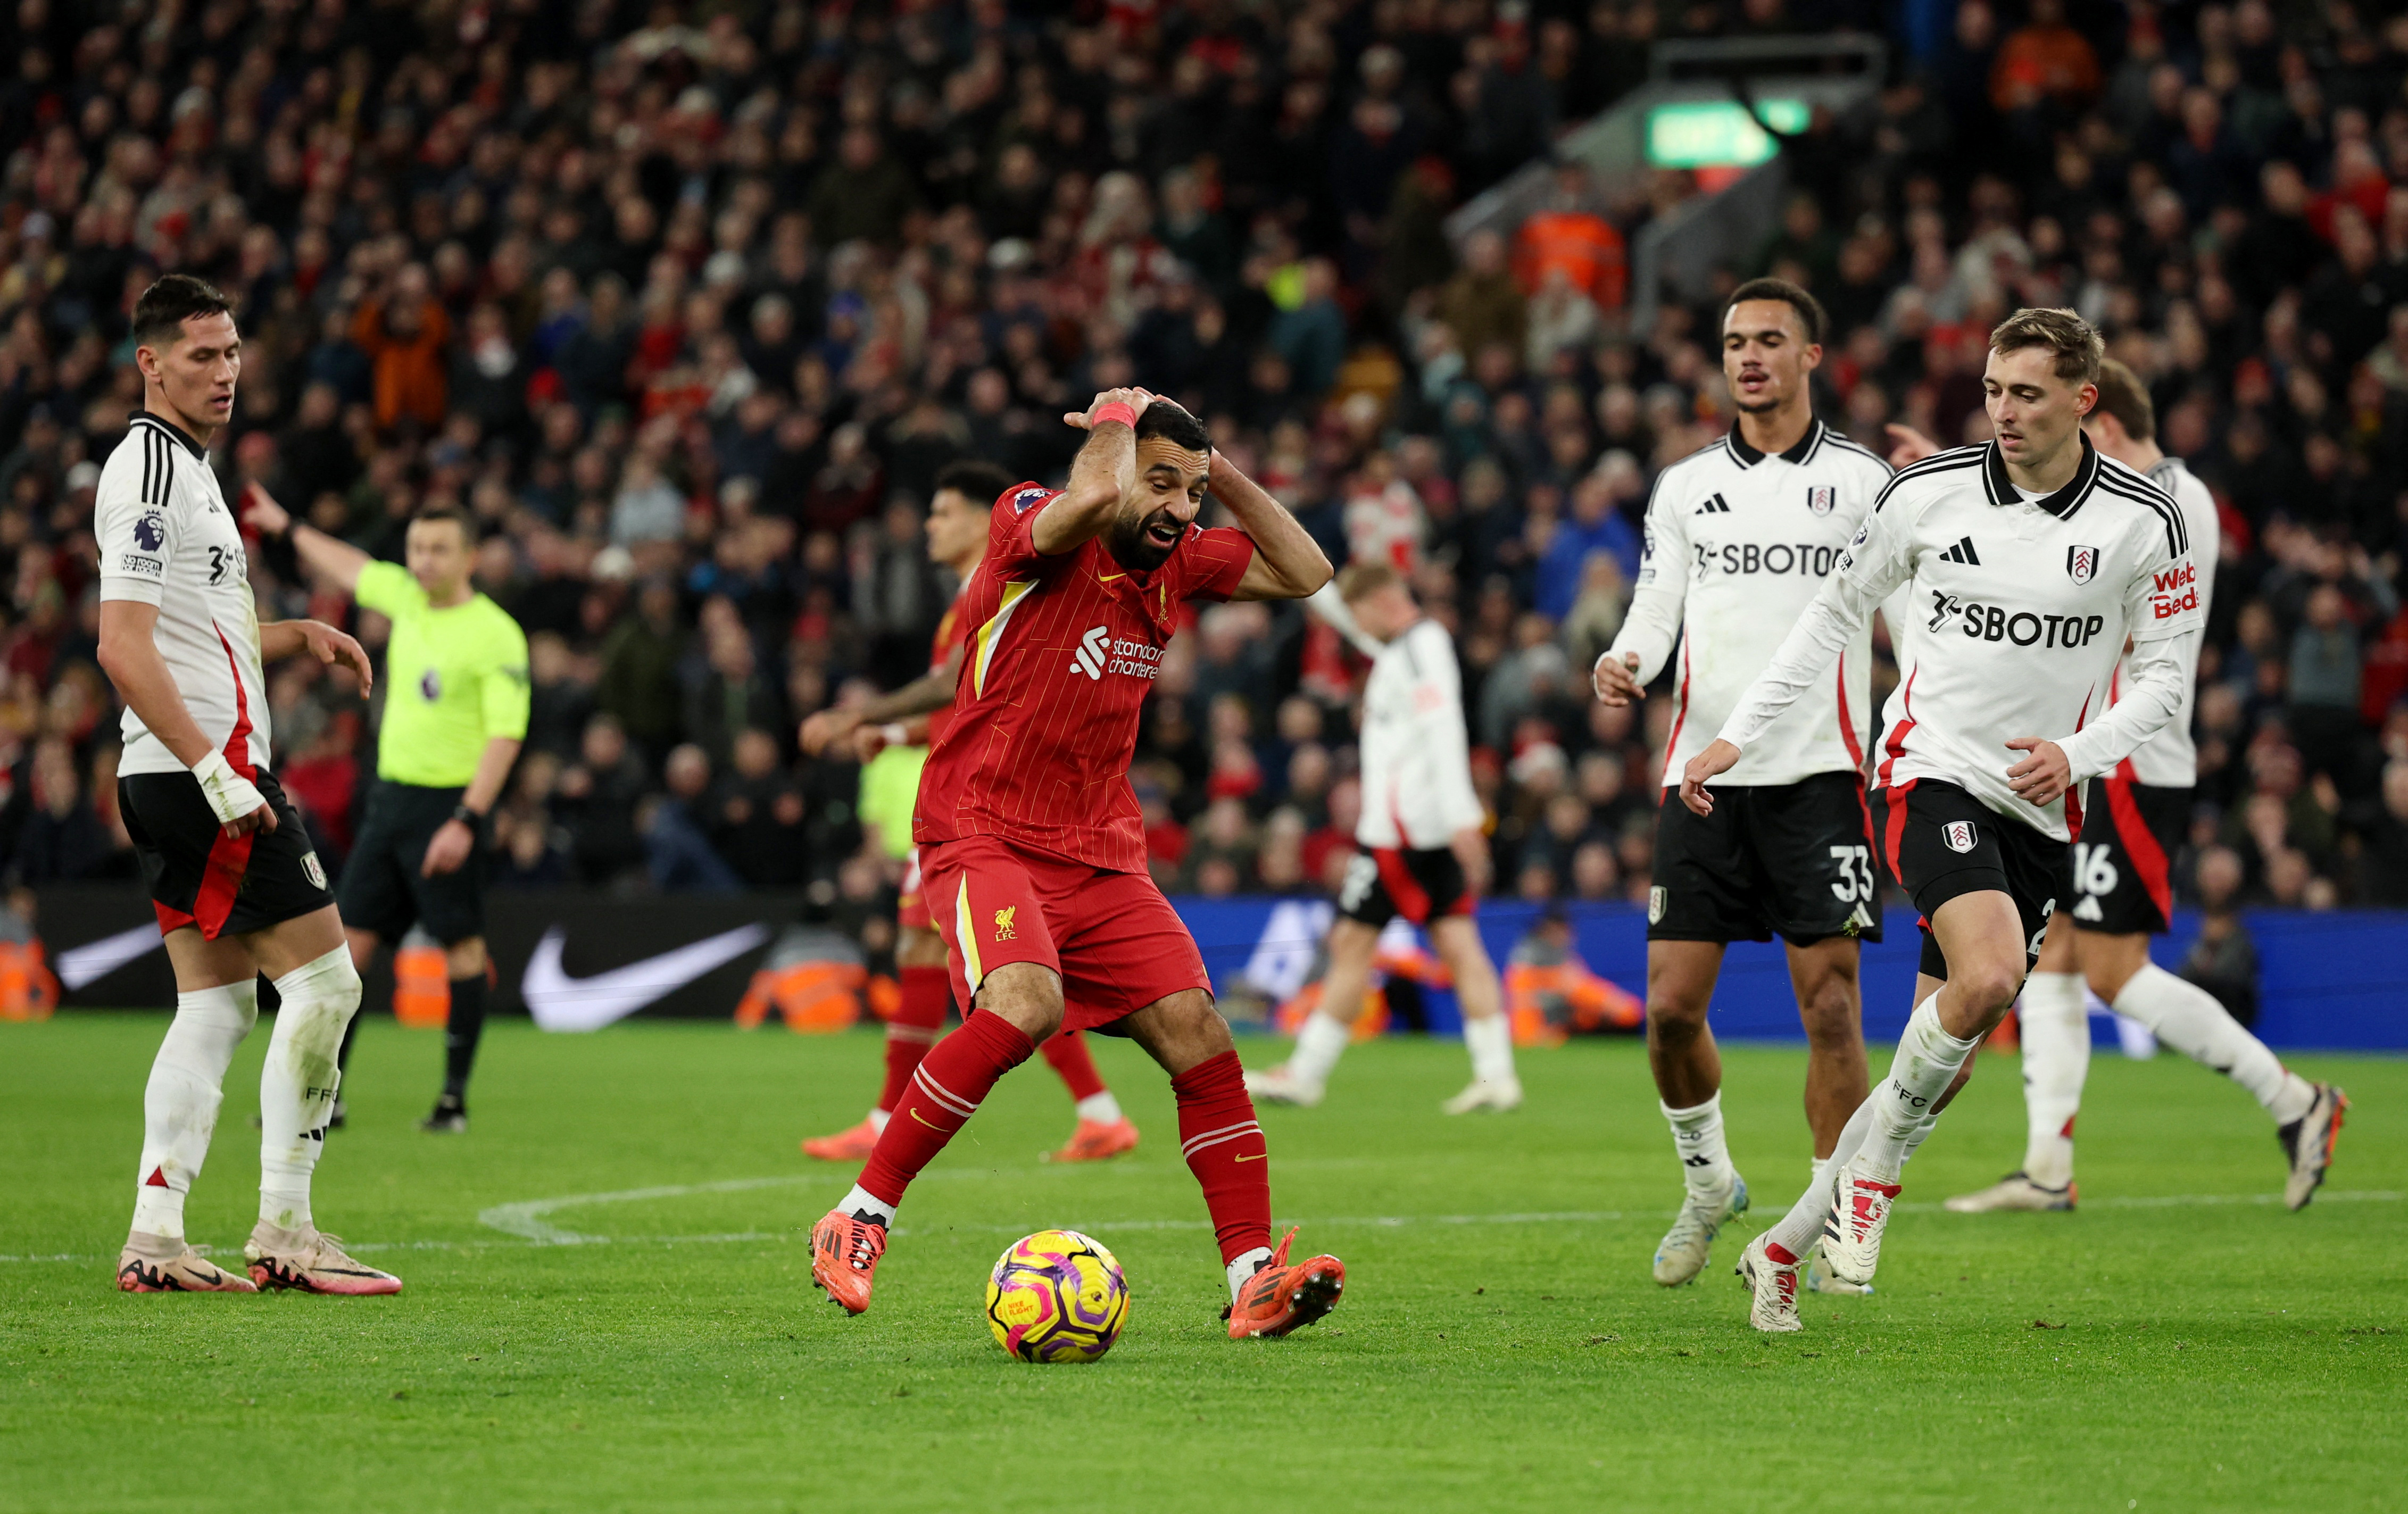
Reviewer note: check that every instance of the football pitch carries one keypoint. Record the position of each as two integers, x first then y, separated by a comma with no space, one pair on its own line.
609,1301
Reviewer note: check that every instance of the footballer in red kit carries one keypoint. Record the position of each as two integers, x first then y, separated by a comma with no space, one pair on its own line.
1031,849
919,712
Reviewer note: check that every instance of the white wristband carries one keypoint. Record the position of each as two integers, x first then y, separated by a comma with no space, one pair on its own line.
230,794
895,734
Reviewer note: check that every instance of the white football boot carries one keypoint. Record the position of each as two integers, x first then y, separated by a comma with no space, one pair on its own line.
1279,1086
1772,1289
2015,1191
1852,1232
1819,1277
2308,1141
1680,1255
1486,1093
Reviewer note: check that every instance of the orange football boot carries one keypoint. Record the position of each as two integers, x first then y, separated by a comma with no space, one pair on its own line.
845,1250
1280,1299
849,1145
1096,1140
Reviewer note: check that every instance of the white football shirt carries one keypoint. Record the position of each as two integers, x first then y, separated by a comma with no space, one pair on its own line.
1416,758
2170,759
1738,544
2021,609
166,538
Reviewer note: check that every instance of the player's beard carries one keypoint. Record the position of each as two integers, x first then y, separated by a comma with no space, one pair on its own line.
1132,547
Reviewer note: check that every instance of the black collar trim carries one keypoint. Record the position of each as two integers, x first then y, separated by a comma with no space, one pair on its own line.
1748,457
176,431
2063,504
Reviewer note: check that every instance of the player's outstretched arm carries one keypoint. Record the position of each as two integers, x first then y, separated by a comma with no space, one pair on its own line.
1288,564
1101,476
130,656
927,694
335,561
279,639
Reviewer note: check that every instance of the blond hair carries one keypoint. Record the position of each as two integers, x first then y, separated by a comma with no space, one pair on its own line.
1358,580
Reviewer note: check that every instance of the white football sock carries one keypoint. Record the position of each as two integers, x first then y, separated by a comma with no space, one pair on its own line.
1319,1042
861,1202
1245,1267
296,1087
1102,1109
1926,1063
1697,1141
1490,1041
878,1119
2055,1019
1921,1133
1803,1225
2187,1017
179,1107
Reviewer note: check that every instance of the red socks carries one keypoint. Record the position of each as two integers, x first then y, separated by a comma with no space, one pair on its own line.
942,1094
1066,1053
1225,1149
919,1021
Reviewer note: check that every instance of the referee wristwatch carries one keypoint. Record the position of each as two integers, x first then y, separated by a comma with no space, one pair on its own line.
468,817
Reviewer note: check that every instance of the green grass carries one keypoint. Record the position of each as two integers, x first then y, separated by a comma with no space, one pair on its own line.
2203,1356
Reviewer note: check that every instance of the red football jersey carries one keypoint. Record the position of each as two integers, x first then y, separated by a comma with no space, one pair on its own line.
948,636
1061,652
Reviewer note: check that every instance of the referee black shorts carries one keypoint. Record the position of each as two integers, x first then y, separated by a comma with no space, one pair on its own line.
384,888
199,877
1939,842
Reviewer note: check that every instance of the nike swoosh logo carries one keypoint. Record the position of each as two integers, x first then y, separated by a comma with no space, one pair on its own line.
923,1120
1256,1157
95,960
560,1003
1109,576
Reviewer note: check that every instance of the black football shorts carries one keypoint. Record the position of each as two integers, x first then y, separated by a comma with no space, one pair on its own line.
1794,859
199,877
1938,842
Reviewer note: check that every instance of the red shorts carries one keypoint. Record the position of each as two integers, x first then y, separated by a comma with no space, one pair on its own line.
912,906
1114,938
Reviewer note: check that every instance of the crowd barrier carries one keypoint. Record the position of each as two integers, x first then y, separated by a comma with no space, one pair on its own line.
578,960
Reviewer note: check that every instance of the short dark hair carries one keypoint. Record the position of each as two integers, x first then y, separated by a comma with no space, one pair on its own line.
1174,424
980,482
452,513
2123,395
1809,309
159,314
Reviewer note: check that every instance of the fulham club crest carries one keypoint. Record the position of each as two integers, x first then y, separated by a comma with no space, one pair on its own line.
1958,836
2081,563
1819,499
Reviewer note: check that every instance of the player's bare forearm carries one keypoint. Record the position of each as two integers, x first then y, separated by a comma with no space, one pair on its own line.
279,639
930,691
1288,564
129,657
1101,476
493,770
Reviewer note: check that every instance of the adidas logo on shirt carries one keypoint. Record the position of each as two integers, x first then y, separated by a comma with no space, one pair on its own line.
1962,552
1714,504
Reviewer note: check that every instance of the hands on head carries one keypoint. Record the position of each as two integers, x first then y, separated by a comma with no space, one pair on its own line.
1136,399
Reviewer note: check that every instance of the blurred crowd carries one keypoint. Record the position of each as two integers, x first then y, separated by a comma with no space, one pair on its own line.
687,304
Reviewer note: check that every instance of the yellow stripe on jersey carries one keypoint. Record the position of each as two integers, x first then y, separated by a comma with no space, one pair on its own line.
992,633
965,932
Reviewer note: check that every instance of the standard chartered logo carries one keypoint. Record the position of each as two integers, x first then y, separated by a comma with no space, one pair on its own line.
1090,657
1099,654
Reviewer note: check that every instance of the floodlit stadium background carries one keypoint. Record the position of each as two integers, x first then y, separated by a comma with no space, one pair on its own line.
689,303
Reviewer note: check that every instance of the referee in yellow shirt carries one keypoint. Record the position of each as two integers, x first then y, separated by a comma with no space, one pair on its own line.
455,712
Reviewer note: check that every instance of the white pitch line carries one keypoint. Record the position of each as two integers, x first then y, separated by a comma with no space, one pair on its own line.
525,1225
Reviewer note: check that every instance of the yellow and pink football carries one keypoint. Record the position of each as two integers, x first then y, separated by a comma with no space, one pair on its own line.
1056,1296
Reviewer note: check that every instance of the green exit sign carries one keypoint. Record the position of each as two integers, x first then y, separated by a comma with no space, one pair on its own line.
1719,133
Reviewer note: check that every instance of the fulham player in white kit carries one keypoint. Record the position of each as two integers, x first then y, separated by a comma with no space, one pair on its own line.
237,891
1739,537
2119,893
2032,560
1424,850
